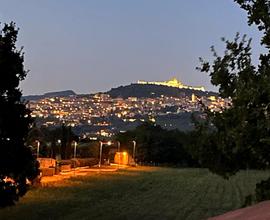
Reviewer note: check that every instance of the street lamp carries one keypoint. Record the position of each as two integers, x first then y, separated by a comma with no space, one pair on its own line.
134,150
100,150
75,149
100,153
118,149
59,148
38,144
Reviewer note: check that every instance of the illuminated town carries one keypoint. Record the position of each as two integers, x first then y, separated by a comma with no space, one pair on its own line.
99,114
173,83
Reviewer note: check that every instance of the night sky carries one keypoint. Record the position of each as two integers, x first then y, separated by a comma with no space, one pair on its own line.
94,45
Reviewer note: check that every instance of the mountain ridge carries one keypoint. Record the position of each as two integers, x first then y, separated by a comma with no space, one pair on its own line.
64,93
131,90
153,91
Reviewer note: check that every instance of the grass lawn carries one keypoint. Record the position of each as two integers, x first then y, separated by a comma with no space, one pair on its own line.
137,193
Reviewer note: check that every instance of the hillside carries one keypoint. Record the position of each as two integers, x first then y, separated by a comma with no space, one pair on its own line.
153,91
137,193
65,93
132,90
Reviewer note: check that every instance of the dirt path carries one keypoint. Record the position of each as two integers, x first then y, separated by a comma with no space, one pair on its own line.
260,211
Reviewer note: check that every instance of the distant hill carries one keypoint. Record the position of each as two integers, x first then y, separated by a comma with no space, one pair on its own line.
152,91
132,90
49,95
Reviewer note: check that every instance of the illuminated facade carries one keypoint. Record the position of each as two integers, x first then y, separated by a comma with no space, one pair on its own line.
172,83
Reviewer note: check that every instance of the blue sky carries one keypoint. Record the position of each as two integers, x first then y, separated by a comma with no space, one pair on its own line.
94,45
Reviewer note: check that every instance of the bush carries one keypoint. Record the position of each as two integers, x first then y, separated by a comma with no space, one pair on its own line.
263,190
84,162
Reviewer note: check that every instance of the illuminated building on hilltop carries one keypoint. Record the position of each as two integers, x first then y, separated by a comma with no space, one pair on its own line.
172,83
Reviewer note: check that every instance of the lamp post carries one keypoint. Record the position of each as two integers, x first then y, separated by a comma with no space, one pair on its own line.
100,153
75,149
38,144
118,149
59,148
100,150
134,150
58,157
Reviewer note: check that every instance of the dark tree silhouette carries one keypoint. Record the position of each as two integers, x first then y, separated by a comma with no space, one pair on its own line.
16,161
157,145
239,137
52,136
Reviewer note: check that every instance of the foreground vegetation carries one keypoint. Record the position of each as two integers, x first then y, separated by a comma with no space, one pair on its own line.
137,193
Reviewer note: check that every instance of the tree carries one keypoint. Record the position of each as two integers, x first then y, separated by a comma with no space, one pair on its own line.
16,161
239,136
157,145
52,136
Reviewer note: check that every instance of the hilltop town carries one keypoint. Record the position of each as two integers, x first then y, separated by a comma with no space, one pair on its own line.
100,114
174,82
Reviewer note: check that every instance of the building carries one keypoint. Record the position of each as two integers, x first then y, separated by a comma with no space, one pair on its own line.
172,83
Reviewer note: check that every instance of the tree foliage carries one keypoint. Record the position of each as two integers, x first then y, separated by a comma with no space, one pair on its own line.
239,136
157,145
16,161
49,141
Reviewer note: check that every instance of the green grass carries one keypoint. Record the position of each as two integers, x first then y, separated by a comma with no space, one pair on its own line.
151,193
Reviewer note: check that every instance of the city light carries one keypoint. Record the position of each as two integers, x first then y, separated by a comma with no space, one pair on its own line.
99,111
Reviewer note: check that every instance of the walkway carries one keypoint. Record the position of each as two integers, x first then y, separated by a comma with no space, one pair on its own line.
260,211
